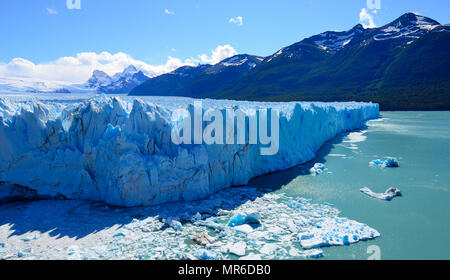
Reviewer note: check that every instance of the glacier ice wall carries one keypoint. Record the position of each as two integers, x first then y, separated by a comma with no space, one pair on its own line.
119,150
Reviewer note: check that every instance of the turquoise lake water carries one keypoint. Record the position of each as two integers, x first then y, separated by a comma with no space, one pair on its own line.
415,226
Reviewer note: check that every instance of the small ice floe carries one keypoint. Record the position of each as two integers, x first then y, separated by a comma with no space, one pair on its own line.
293,252
245,218
203,239
246,229
257,235
210,223
251,257
390,163
196,217
31,237
188,257
291,226
356,137
313,254
176,225
204,254
318,169
238,249
337,155
268,249
388,195
335,231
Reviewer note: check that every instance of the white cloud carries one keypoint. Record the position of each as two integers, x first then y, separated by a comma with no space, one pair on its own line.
51,11
237,20
77,69
217,55
169,12
366,19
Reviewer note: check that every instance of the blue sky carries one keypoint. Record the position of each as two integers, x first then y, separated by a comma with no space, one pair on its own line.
150,31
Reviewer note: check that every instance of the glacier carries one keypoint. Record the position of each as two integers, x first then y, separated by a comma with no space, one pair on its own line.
119,150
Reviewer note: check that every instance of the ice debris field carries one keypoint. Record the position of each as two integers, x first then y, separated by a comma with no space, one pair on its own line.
109,152
119,150
224,226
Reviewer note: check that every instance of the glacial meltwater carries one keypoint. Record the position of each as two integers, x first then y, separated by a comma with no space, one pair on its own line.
414,226
293,214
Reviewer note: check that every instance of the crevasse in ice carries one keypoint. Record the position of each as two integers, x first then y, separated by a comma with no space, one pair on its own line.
119,150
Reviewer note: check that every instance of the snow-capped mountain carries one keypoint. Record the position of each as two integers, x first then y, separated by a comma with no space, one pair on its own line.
188,71
402,65
121,82
333,41
98,79
408,28
402,31
329,42
128,72
198,81
240,62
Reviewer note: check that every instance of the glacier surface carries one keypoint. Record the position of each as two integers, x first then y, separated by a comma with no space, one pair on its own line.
119,150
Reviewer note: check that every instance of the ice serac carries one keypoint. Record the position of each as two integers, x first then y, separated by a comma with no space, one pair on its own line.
120,150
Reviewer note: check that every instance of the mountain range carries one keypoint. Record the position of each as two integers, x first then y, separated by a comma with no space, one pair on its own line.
199,81
122,82
403,65
100,82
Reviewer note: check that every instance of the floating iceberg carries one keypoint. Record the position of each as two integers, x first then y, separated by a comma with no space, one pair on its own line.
318,169
390,163
211,223
247,229
335,232
388,195
119,150
237,249
203,239
245,218
176,225
203,254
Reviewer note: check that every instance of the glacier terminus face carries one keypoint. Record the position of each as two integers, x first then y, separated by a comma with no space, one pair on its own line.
227,126
121,150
